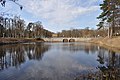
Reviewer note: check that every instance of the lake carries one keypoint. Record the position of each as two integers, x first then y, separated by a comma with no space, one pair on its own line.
58,61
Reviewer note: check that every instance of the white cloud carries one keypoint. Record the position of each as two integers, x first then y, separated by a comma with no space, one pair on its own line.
58,11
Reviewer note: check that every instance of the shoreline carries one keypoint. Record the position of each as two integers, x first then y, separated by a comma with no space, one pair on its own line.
110,43
5,41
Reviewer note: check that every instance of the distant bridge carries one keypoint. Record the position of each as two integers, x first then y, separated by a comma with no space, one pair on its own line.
64,39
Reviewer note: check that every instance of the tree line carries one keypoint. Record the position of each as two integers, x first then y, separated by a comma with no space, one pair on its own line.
16,28
83,33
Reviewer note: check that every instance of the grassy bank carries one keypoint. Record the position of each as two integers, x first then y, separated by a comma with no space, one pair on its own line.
111,43
18,40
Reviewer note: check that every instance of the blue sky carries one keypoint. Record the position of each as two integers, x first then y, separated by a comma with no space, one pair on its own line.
57,15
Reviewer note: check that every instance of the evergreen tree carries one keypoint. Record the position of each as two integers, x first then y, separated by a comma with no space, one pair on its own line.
110,13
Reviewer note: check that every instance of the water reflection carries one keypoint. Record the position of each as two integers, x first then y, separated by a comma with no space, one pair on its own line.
108,67
15,55
86,47
58,61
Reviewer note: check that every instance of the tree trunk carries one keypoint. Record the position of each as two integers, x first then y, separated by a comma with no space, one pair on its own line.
113,25
108,32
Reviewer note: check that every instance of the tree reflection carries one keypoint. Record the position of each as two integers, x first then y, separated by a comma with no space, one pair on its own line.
87,47
108,68
101,55
15,55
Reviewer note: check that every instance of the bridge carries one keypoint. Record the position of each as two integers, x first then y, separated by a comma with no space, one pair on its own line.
64,39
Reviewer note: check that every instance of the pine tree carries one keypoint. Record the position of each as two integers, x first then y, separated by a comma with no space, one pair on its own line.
110,11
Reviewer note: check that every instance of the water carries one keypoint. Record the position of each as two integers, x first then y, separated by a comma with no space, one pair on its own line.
56,61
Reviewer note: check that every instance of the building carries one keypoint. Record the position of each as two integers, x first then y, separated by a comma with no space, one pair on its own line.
54,35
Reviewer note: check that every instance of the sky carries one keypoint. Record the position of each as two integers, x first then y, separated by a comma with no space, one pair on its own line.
57,15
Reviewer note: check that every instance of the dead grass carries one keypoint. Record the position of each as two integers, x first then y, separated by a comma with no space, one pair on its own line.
17,40
112,43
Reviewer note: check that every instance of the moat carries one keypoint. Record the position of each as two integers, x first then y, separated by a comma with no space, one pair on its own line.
57,61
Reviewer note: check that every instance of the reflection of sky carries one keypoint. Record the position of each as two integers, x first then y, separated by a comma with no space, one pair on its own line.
56,64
